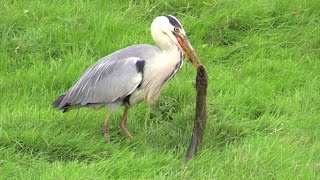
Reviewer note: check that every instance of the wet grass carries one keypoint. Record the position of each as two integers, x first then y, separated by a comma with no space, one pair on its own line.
263,96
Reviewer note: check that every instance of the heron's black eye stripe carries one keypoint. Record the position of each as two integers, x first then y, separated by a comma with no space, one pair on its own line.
174,22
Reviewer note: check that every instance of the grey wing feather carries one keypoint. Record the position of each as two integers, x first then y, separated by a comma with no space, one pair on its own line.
111,78
105,83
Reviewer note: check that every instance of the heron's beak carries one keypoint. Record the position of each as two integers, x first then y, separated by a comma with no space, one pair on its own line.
187,49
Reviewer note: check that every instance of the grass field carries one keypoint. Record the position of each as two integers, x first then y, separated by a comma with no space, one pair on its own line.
263,60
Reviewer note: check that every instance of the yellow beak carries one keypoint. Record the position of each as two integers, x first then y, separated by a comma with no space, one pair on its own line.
186,48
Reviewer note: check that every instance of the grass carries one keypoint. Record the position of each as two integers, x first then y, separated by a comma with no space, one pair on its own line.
263,96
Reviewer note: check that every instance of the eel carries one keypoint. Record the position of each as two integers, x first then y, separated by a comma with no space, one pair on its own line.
200,119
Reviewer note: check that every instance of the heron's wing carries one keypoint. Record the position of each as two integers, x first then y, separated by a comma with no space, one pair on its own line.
106,82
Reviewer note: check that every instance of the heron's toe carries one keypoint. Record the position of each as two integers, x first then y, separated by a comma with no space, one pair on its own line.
105,134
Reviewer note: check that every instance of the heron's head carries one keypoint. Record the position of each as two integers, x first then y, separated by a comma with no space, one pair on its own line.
168,32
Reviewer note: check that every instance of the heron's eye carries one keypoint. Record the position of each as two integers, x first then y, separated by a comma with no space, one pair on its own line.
176,29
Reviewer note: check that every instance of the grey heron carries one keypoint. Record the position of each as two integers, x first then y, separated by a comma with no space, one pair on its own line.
133,74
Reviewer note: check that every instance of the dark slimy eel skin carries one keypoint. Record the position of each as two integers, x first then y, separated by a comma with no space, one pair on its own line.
200,119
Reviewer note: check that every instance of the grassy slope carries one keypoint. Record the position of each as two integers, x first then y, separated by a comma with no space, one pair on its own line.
262,58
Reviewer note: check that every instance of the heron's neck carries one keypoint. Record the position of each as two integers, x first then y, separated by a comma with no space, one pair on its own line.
169,48
162,40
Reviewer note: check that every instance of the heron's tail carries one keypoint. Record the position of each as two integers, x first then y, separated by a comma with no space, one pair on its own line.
57,103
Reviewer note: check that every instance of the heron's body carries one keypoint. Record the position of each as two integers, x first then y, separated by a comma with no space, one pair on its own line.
97,88
131,75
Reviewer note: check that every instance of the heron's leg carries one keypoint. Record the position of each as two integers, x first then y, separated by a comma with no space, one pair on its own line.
105,128
123,123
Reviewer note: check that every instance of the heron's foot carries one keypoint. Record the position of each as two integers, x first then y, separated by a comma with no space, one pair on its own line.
124,128
105,133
